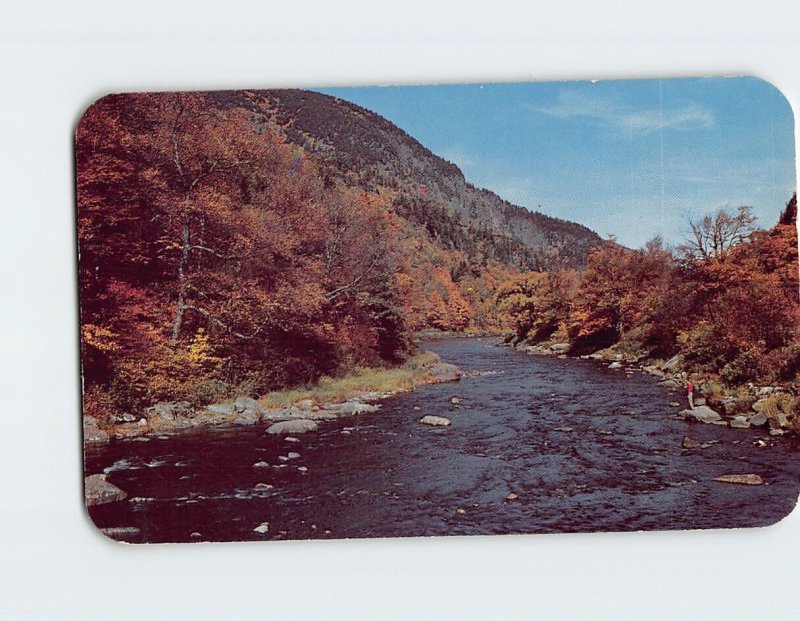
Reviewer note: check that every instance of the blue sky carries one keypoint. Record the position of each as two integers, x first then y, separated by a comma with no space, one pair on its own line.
632,158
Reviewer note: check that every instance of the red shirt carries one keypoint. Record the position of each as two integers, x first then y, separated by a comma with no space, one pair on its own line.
689,387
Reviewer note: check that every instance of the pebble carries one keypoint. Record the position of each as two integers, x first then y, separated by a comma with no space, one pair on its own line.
512,496
302,468
262,528
291,439
292,455
261,464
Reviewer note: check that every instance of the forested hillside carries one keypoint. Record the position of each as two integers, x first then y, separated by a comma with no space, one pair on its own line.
232,243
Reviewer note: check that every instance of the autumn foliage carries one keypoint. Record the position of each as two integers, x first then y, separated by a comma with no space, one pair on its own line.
218,258
727,300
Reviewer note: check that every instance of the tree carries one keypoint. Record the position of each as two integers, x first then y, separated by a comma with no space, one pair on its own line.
713,236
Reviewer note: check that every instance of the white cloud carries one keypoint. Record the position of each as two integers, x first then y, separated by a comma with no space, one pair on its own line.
605,112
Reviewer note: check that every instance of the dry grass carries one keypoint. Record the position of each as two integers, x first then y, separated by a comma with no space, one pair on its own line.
358,381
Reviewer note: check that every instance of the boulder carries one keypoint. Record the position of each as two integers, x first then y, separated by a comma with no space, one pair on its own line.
99,491
121,533
560,348
246,420
436,421
248,405
740,422
758,420
262,528
654,371
741,479
292,455
225,409
672,363
615,365
455,400
777,432
703,414
169,411
691,443
444,372
288,413
353,407
92,433
261,464
764,391
301,425
305,405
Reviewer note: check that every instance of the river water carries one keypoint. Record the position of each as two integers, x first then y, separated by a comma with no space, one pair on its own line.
583,448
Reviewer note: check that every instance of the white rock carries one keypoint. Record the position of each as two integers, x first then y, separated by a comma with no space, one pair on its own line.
301,425
262,528
436,421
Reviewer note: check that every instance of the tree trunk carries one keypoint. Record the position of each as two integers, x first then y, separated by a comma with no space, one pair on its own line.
180,308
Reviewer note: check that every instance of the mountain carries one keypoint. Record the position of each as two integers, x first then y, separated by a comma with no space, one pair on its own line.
369,152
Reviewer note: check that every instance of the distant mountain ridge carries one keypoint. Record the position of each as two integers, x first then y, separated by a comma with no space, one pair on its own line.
370,152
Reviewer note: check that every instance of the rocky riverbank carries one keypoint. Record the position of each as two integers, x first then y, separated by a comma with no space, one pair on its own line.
299,411
769,407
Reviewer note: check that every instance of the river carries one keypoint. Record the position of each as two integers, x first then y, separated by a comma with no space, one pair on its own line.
583,448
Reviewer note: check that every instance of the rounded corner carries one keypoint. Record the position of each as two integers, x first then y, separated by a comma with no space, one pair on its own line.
85,113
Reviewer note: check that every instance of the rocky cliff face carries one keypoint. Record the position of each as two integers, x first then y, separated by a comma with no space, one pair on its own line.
370,152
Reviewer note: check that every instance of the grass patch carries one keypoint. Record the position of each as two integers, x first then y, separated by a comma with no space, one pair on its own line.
360,380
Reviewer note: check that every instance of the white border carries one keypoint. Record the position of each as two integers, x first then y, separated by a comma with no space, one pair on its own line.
56,58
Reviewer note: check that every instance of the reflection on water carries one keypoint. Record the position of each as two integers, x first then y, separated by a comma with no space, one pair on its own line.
577,446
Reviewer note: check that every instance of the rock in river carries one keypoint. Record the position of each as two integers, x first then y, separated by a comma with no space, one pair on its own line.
121,533
436,421
301,425
702,413
444,372
741,479
100,492
262,528
92,432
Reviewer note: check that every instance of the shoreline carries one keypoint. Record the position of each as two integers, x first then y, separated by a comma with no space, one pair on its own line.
358,392
760,409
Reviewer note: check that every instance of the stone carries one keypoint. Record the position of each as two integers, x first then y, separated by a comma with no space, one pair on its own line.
121,533
654,371
99,491
305,404
703,414
740,422
764,391
302,469
460,511
435,421
691,443
291,439
262,528
560,348
455,400
225,409
674,404
142,422
615,365
512,496
261,464
758,420
301,425
741,479
292,455
444,372
777,432
353,407
92,434
672,363
699,401
263,486
245,420
169,411
248,405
